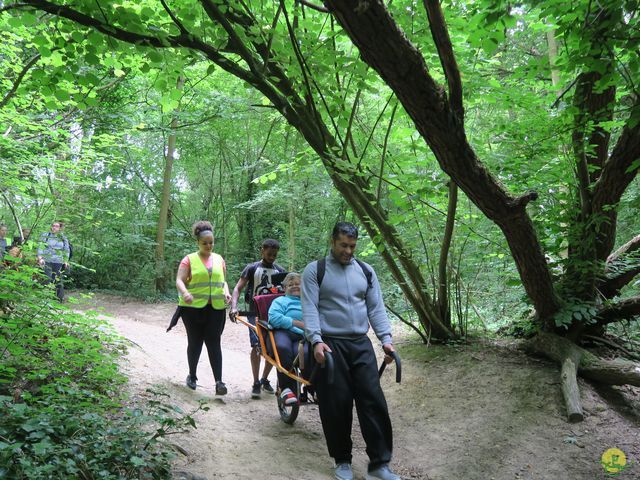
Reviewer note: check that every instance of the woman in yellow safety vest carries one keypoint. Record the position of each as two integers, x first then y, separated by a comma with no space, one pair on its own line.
203,294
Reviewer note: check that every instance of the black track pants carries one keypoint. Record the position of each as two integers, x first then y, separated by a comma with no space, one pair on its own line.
355,378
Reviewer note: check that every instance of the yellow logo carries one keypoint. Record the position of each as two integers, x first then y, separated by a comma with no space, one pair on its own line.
613,461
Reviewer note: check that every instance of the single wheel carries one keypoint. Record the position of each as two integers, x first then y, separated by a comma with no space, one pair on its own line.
289,413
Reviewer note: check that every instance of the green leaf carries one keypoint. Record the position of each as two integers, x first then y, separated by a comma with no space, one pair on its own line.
155,56
77,36
91,59
62,95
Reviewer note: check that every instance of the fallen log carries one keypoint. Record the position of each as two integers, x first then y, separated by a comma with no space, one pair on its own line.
574,361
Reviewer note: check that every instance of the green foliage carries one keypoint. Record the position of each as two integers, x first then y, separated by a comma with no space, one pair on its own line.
574,309
88,126
61,441
64,409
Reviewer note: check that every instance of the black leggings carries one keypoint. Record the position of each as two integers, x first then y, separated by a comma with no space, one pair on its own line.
204,325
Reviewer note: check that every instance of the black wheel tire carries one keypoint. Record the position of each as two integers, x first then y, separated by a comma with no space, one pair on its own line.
289,413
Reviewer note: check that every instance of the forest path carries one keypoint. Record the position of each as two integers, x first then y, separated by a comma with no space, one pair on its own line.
479,411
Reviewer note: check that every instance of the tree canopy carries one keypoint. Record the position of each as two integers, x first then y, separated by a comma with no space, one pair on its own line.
430,123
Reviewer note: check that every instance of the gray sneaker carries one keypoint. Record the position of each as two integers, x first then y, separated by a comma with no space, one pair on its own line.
383,472
343,471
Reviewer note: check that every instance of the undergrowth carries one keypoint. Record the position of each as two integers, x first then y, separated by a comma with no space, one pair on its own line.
65,413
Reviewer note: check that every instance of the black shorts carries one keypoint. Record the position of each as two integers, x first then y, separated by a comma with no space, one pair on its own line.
253,336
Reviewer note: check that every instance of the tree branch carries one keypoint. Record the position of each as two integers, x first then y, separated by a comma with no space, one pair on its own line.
173,17
408,323
313,6
14,88
629,247
628,309
440,35
616,176
621,268
216,16
383,156
110,30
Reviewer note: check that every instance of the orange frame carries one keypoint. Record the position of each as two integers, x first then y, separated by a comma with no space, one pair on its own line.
263,348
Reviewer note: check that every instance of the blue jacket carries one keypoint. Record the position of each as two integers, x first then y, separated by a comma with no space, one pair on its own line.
283,311
54,248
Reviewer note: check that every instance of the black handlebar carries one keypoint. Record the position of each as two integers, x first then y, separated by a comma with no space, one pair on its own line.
328,364
396,359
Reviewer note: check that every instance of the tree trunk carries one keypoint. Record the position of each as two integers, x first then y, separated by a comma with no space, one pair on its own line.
385,48
553,55
292,236
442,301
161,270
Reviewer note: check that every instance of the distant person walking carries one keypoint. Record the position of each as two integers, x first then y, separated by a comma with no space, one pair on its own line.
340,298
53,255
3,240
203,294
258,278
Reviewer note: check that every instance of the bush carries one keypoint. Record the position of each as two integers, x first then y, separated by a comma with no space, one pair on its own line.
64,411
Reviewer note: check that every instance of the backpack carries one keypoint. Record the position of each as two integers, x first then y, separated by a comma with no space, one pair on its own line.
322,266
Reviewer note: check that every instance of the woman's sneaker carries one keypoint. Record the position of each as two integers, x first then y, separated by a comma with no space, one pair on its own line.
221,388
191,382
288,397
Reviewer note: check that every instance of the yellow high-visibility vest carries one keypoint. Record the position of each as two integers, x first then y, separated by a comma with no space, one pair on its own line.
204,286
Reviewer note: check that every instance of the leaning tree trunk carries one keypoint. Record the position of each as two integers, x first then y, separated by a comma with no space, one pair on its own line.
439,119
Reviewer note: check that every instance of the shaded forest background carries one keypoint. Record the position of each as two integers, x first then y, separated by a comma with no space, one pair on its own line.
131,136
488,150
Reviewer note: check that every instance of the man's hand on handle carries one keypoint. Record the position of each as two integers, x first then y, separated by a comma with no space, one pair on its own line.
233,313
388,349
318,352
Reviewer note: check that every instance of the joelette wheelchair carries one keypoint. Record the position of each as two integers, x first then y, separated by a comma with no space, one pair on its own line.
304,368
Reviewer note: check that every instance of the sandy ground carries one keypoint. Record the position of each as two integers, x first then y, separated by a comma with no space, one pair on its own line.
478,411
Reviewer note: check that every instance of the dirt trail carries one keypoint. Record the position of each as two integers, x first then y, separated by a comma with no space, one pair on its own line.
480,411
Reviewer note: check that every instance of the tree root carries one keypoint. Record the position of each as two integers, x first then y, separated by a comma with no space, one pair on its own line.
576,360
610,343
